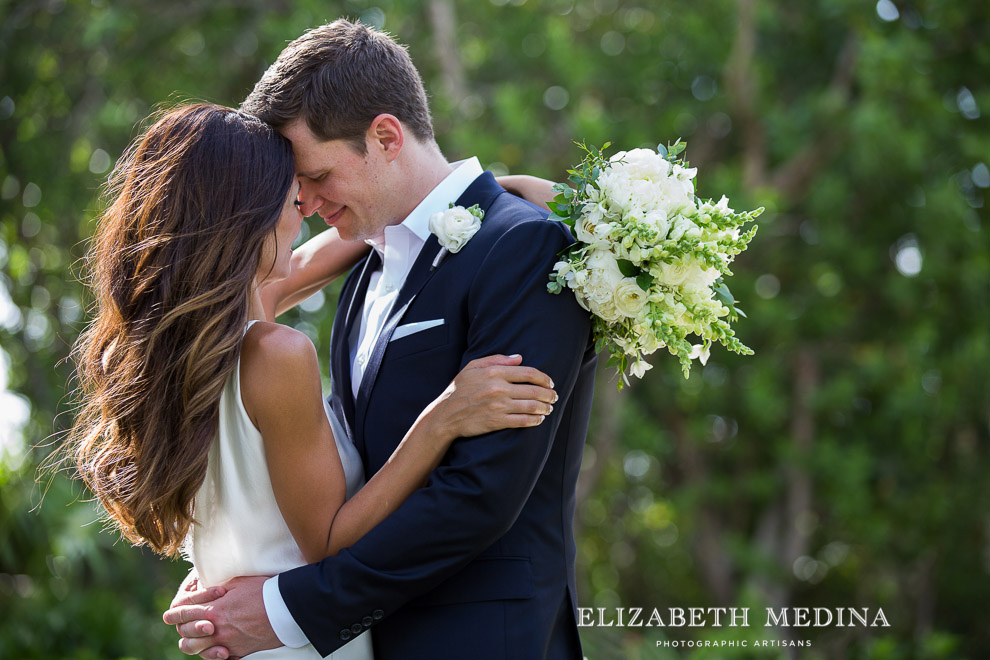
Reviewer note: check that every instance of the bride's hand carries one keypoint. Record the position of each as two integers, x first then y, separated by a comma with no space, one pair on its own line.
490,394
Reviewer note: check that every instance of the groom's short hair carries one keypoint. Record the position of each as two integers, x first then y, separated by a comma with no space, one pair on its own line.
338,77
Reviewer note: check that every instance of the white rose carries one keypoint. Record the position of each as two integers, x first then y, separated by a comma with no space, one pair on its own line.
455,227
603,276
630,299
674,273
604,309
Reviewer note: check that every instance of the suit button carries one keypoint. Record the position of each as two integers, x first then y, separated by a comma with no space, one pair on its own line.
357,629
367,621
378,614
345,634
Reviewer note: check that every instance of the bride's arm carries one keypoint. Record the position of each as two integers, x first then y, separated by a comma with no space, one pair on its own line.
531,188
314,264
489,394
281,392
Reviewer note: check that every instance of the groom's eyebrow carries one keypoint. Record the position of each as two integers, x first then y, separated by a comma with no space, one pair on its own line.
311,174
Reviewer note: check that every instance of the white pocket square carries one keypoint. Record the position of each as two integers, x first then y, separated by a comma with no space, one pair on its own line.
413,328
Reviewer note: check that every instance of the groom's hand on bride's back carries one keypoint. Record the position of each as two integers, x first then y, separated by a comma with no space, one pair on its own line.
222,623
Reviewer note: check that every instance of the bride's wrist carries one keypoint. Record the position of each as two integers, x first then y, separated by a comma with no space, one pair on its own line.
435,423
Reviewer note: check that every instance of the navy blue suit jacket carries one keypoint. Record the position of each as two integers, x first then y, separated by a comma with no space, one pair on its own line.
479,563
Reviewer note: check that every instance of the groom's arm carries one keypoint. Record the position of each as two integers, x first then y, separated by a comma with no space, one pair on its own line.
476,496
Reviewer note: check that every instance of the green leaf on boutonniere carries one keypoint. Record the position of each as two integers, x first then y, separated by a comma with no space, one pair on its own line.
644,280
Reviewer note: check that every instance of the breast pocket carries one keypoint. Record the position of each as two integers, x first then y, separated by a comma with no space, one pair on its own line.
418,341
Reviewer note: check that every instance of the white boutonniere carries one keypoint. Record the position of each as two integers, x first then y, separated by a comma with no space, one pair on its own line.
454,228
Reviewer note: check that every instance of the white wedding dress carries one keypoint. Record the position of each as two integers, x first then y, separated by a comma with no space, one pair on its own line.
239,529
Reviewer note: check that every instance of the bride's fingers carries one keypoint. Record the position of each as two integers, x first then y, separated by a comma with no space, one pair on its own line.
185,614
528,407
518,421
195,629
202,646
200,597
522,375
216,653
544,394
494,360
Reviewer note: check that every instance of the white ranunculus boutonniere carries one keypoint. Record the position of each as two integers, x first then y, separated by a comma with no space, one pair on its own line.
454,228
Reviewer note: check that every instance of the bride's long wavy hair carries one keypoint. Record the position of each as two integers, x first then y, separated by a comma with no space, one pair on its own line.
189,207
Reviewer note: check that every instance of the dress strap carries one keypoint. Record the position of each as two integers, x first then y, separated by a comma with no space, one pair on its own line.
248,325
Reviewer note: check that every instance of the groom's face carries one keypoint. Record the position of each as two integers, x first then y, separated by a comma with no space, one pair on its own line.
348,189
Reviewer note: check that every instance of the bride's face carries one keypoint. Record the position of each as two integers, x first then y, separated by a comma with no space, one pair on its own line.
277,252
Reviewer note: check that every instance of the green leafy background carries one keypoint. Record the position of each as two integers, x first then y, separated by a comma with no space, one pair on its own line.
845,464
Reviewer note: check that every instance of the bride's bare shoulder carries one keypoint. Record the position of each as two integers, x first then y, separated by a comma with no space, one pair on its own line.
278,363
266,341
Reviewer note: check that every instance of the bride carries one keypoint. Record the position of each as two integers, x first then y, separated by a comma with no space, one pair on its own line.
202,428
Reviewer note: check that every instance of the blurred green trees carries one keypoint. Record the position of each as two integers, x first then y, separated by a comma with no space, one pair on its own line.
842,465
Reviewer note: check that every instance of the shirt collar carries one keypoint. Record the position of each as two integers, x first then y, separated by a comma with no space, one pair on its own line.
462,175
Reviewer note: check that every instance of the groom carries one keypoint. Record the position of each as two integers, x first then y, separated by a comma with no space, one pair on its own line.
479,563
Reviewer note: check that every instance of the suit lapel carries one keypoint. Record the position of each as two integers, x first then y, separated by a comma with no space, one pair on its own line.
352,300
418,276
482,192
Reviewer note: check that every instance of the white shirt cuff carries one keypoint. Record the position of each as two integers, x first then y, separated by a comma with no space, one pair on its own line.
285,627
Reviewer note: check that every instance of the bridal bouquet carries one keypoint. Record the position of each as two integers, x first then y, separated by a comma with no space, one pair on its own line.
650,258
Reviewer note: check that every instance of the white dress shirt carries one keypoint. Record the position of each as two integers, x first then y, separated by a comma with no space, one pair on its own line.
398,248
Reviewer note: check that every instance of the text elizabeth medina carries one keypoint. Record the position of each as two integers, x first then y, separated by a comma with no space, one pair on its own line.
717,617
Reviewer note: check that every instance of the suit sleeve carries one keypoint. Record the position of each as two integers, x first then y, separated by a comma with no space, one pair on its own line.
475,496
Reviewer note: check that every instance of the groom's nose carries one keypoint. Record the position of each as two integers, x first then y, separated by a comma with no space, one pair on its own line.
309,202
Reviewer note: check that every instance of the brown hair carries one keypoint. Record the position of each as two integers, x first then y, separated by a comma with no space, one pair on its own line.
172,262
338,78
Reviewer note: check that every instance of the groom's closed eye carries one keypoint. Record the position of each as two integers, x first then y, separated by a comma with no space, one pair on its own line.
317,177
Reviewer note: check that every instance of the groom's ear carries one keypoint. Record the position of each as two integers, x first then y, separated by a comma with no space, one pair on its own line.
385,134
